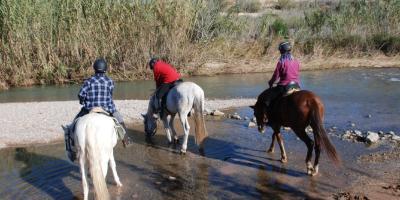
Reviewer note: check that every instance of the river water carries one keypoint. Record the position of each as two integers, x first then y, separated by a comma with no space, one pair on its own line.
235,164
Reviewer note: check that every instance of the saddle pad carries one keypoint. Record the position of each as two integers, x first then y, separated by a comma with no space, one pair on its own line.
99,110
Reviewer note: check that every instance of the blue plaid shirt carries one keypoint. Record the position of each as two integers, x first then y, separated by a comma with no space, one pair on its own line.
97,91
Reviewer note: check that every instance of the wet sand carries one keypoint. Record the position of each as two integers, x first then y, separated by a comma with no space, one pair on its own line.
235,165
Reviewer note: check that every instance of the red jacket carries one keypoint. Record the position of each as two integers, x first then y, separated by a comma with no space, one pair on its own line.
164,73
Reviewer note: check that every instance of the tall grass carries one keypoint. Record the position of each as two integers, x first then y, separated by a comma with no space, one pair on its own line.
56,41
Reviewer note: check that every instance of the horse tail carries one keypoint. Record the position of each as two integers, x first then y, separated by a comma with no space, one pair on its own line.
99,183
201,132
320,133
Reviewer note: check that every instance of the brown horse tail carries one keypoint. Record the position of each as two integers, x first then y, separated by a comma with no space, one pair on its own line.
320,133
200,132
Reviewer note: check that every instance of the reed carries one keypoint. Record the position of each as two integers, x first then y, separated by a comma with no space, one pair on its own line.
56,41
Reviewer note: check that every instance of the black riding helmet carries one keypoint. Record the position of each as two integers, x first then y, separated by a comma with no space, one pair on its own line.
285,47
100,65
152,62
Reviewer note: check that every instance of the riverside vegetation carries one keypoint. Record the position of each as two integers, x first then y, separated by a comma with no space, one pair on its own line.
55,41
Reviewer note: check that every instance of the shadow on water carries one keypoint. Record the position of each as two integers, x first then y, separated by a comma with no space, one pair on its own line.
197,169
46,173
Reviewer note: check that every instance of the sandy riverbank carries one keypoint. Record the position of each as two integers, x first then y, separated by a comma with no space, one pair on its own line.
40,122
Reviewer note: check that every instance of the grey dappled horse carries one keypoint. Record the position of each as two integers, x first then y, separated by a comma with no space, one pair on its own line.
180,100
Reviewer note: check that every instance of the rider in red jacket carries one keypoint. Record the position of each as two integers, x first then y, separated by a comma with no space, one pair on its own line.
165,76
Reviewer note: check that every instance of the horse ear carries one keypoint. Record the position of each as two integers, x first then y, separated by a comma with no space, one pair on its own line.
143,115
252,107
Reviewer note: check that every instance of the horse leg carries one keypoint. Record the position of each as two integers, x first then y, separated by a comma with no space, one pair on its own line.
278,136
271,147
171,124
167,128
186,128
114,170
83,174
317,148
309,143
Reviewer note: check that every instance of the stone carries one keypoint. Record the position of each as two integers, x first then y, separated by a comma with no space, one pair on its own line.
251,124
391,133
381,132
396,138
347,135
254,119
368,116
352,124
358,133
217,113
372,137
171,178
236,116
246,118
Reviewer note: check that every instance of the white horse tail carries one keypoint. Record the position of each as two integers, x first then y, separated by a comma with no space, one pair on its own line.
99,183
201,131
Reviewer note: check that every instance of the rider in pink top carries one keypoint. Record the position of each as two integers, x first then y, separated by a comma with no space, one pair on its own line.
286,74
286,71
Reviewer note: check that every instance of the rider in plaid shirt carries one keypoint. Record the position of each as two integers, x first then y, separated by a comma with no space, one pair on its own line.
97,91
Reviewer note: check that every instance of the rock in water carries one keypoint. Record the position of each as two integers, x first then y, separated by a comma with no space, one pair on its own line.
251,124
236,116
372,137
217,113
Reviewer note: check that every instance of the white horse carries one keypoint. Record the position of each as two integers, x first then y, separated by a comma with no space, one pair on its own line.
180,100
95,138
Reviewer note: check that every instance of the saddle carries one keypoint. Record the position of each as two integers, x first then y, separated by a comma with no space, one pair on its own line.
291,88
118,127
69,140
164,99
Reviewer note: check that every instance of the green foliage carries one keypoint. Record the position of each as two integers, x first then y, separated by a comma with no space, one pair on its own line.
280,28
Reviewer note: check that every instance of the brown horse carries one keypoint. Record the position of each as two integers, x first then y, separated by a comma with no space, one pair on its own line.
297,111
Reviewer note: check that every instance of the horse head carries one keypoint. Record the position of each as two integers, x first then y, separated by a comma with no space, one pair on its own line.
260,112
150,124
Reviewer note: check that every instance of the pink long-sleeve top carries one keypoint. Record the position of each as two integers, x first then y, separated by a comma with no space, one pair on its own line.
286,71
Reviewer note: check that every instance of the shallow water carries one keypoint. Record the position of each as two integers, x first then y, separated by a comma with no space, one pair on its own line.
235,164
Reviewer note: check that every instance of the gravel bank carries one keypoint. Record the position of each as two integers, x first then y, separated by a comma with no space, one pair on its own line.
40,122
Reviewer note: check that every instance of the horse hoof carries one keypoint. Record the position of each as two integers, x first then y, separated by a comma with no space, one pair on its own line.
119,184
183,152
284,160
270,151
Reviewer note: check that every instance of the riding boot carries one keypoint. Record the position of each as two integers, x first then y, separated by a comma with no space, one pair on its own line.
126,141
70,144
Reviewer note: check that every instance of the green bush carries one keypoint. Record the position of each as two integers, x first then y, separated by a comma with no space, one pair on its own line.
280,28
